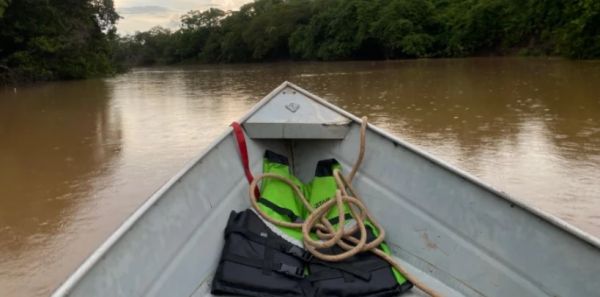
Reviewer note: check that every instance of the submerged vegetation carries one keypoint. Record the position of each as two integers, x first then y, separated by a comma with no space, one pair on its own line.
55,39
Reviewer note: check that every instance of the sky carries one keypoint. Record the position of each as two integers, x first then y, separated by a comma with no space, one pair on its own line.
141,15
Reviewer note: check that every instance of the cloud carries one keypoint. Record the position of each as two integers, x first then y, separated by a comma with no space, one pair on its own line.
149,9
141,15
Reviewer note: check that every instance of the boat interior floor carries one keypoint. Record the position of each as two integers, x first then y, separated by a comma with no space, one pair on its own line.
303,156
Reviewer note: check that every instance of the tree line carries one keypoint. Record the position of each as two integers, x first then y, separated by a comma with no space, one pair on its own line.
270,30
67,39
56,39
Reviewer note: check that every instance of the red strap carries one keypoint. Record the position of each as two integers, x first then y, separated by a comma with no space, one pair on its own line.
241,141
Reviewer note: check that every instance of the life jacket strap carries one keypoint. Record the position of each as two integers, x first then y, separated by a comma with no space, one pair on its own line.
334,221
277,244
299,253
283,268
360,270
257,262
280,210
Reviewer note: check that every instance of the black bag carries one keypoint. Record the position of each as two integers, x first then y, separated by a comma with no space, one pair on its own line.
257,262
364,274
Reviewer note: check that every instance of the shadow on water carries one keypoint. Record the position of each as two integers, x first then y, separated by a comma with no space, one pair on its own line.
55,139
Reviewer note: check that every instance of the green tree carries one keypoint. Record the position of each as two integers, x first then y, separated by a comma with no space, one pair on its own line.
195,19
271,25
57,39
233,46
267,30
337,30
407,28
3,5
580,37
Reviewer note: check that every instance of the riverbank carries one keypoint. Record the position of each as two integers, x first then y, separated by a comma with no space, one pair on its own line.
85,44
15,82
377,30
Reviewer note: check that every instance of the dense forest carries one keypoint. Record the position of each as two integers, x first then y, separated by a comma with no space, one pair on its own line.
58,39
268,30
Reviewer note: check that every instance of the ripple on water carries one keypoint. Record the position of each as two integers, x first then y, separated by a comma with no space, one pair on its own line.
533,136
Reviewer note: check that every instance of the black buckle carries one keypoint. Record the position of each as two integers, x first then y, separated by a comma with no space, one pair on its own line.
299,253
290,270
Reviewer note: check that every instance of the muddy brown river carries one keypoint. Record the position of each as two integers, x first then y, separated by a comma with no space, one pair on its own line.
76,158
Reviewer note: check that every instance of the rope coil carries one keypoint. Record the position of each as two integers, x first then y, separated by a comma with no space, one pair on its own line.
328,236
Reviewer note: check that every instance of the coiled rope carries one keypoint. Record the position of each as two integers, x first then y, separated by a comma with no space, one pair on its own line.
328,236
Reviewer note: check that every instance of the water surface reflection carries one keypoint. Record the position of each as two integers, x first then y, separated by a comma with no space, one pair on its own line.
77,157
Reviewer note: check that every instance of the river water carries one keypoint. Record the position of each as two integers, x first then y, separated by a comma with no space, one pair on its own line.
76,158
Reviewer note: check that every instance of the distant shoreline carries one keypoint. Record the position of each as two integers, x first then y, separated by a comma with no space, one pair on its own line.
7,85
45,41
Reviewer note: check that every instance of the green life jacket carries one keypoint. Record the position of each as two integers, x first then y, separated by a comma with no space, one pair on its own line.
266,261
321,189
262,260
277,198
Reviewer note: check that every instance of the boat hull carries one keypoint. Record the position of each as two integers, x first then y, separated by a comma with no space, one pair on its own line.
458,235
